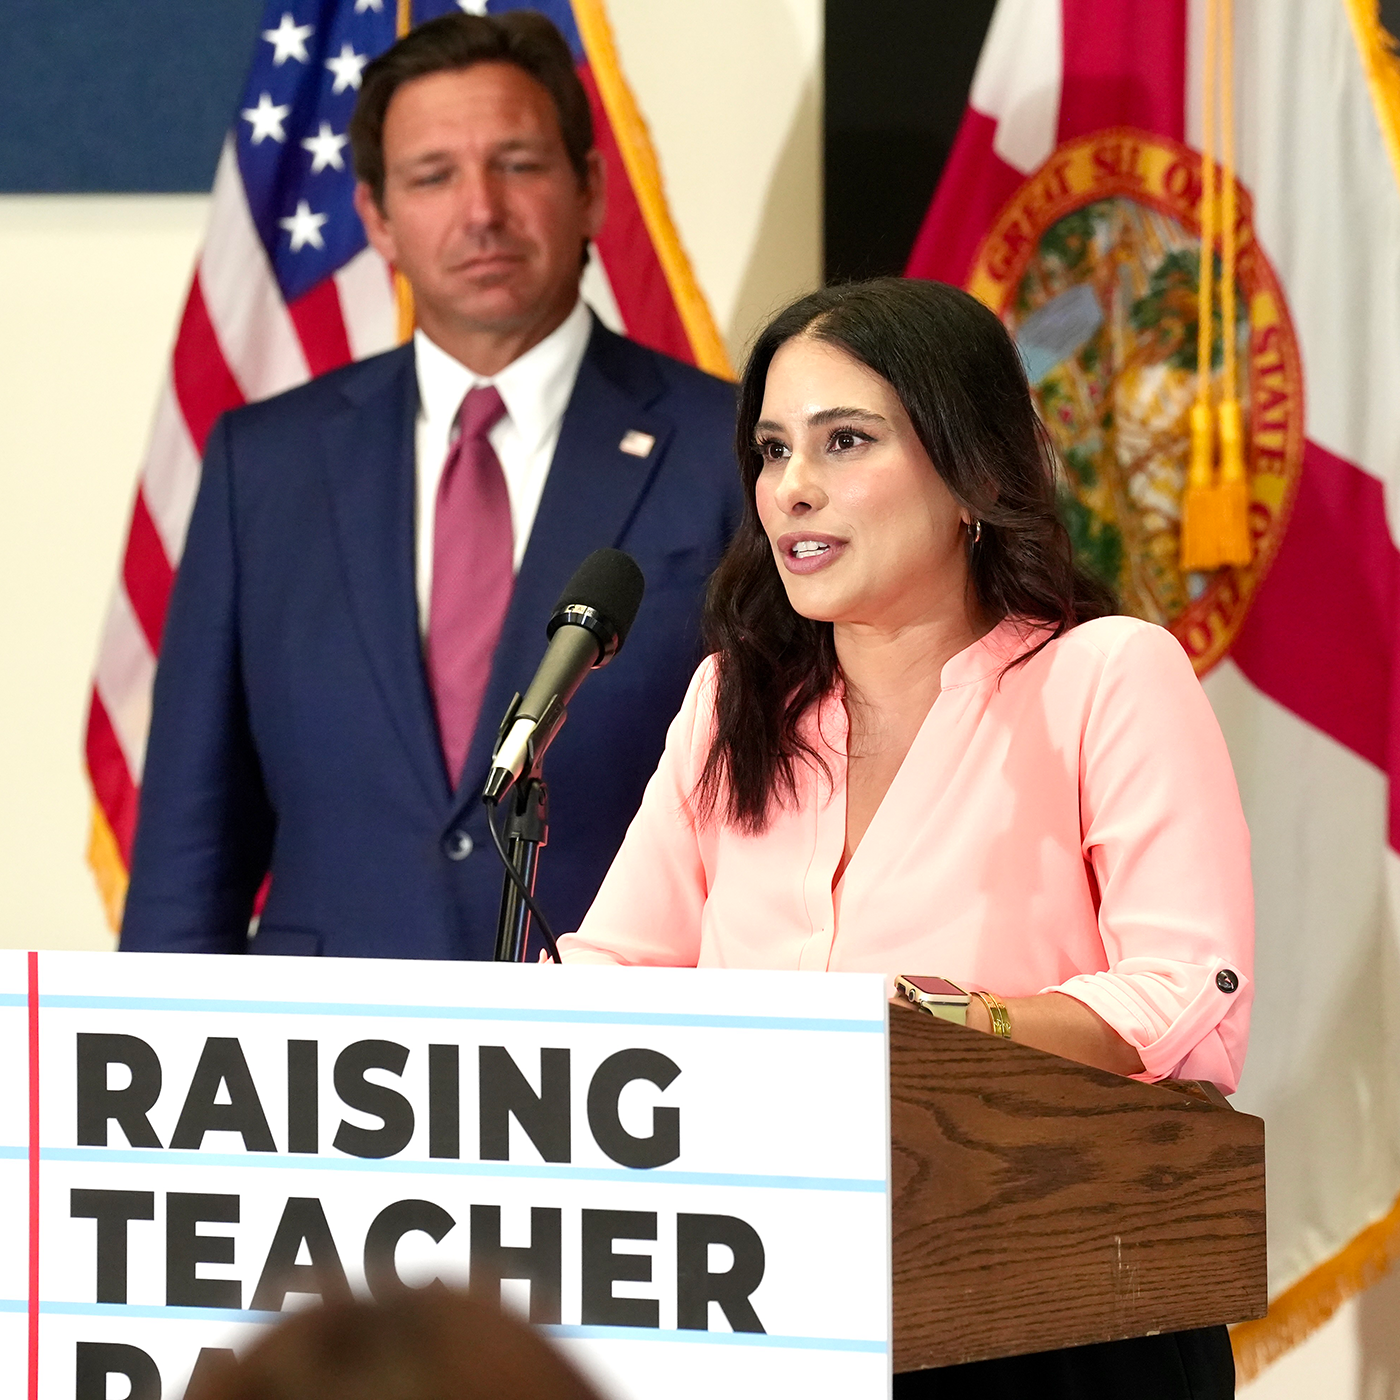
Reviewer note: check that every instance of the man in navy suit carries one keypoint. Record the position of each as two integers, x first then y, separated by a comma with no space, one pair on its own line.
295,731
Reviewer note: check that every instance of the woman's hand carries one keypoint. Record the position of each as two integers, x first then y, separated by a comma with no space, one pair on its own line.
1063,1026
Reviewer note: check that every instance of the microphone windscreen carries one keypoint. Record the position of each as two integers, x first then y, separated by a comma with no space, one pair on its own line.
610,583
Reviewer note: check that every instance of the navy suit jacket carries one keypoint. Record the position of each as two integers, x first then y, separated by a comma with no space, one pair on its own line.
293,728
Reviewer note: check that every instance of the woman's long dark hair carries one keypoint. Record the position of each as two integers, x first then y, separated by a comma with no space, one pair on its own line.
960,379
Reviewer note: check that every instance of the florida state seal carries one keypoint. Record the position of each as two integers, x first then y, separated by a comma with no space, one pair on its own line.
1093,266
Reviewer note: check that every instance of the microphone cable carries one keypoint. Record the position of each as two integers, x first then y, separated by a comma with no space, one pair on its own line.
490,803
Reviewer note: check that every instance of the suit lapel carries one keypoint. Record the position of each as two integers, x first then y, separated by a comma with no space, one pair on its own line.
371,475
590,496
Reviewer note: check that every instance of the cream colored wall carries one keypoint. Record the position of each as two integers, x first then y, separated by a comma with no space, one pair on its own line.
90,292
732,92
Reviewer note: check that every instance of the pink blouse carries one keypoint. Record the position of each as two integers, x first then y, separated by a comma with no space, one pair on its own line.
1071,824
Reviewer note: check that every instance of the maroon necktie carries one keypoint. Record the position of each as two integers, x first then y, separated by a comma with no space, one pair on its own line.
473,575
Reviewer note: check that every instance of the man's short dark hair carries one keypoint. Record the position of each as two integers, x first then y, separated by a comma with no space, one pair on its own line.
453,42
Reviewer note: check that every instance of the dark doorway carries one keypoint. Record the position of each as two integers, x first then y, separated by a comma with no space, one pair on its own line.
897,76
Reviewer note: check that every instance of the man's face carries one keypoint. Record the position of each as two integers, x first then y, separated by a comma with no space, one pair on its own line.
482,211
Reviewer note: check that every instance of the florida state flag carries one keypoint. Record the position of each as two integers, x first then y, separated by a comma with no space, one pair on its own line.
1073,204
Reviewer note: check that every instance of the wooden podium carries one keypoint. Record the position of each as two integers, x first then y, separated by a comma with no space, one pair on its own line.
1039,1203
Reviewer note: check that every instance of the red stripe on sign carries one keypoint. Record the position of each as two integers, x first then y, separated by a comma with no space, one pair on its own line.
321,327
1124,65
629,257
1322,630
146,573
112,783
975,184
204,385
33,1176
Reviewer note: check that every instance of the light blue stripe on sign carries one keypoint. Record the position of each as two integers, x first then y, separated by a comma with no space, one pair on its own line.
156,1310
743,1339
656,1176
698,1020
13,999
564,1333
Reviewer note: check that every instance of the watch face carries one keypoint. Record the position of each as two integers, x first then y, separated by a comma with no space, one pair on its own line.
938,987
937,996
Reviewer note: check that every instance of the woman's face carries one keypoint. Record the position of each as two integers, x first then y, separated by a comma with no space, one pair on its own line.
862,527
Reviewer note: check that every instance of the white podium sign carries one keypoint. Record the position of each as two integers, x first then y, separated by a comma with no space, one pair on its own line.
682,1176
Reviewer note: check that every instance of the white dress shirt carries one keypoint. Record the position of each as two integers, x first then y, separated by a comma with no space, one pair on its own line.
535,390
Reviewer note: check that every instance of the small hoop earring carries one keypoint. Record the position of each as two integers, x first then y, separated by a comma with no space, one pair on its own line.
976,529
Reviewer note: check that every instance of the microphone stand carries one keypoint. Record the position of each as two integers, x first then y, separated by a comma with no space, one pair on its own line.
526,830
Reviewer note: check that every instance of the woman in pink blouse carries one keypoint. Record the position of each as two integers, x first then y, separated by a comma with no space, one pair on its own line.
923,744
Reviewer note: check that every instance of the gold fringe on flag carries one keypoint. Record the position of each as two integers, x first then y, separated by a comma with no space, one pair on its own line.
1300,1310
639,157
108,869
406,317
403,293
1381,63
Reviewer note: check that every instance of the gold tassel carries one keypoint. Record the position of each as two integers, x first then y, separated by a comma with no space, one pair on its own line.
1200,529
1198,545
1233,540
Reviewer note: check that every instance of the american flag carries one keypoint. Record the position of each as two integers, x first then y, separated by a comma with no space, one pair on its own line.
287,288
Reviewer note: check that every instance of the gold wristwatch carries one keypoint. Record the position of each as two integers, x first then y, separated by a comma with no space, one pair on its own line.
949,1002
936,995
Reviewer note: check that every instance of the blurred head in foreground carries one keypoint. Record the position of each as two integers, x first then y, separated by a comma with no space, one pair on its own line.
425,1344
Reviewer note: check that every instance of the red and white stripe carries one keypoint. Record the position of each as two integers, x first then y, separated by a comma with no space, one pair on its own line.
237,341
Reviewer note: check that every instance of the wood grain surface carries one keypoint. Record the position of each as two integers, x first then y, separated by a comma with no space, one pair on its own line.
1039,1203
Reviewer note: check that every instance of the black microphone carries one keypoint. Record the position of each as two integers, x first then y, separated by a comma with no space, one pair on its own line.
587,629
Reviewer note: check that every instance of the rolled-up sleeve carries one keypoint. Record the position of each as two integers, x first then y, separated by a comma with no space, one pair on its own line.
1166,841
649,909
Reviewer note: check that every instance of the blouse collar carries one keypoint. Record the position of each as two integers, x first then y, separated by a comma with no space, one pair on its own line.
826,724
989,655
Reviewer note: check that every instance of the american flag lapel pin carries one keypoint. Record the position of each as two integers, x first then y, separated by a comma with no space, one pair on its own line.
636,443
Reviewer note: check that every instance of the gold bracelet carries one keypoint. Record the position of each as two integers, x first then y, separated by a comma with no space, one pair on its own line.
997,1012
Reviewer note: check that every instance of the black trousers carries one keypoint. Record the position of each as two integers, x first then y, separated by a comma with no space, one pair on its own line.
1173,1366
